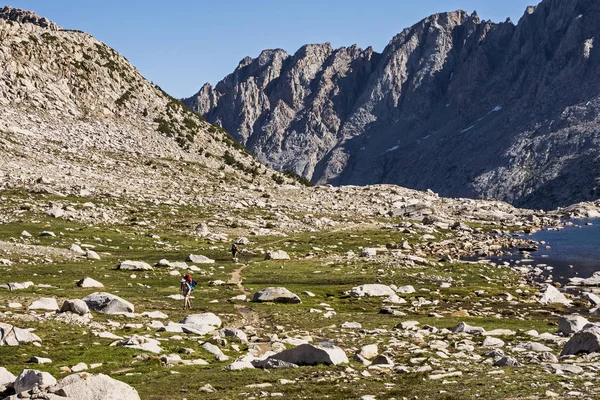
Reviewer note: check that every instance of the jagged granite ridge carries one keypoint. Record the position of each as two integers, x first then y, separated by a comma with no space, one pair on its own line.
459,105
23,16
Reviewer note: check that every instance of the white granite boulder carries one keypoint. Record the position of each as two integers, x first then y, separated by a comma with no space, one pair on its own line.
12,336
198,324
200,259
570,324
372,290
129,265
31,378
75,248
84,386
277,255
75,306
89,283
108,303
276,295
308,354
6,377
143,343
44,303
550,295
463,327
586,340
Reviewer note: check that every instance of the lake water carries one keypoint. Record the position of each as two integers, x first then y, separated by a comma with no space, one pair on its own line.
574,250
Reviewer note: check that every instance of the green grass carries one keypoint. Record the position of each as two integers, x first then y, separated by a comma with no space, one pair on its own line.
319,264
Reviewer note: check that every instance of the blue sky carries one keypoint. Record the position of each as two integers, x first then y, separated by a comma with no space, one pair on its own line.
183,44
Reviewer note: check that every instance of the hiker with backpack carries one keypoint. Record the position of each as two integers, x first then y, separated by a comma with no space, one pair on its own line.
234,251
187,285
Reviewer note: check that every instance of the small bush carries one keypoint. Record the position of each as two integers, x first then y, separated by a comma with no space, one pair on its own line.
302,180
125,97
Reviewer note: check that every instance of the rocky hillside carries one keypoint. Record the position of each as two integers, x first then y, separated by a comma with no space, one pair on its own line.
459,105
73,110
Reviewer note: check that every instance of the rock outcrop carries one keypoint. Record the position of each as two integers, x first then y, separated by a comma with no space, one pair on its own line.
63,93
459,105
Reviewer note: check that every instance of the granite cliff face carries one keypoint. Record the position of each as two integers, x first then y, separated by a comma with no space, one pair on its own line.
459,105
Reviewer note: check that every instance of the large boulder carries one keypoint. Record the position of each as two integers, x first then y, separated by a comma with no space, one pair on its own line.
75,306
594,280
89,283
55,212
277,255
200,259
234,333
84,386
372,290
108,303
134,266
169,264
570,324
463,327
552,295
276,295
586,340
75,248
308,354
31,378
13,336
143,343
45,303
6,377
200,324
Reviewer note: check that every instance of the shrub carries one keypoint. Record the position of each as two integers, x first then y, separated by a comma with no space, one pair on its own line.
302,180
121,100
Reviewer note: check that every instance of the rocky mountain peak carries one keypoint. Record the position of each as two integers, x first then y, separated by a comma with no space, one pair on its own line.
459,105
23,16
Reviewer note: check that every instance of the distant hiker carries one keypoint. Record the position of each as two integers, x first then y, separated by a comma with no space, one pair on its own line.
186,286
234,251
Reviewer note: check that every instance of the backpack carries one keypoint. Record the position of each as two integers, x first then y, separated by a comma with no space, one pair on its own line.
193,284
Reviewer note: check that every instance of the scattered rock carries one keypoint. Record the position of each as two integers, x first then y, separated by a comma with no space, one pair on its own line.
586,340
45,303
75,306
551,295
200,259
308,354
30,378
570,324
277,255
507,361
143,343
463,327
6,377
372,290
134,266
276,295
12,336
84,386
39,360
108,303
89,283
